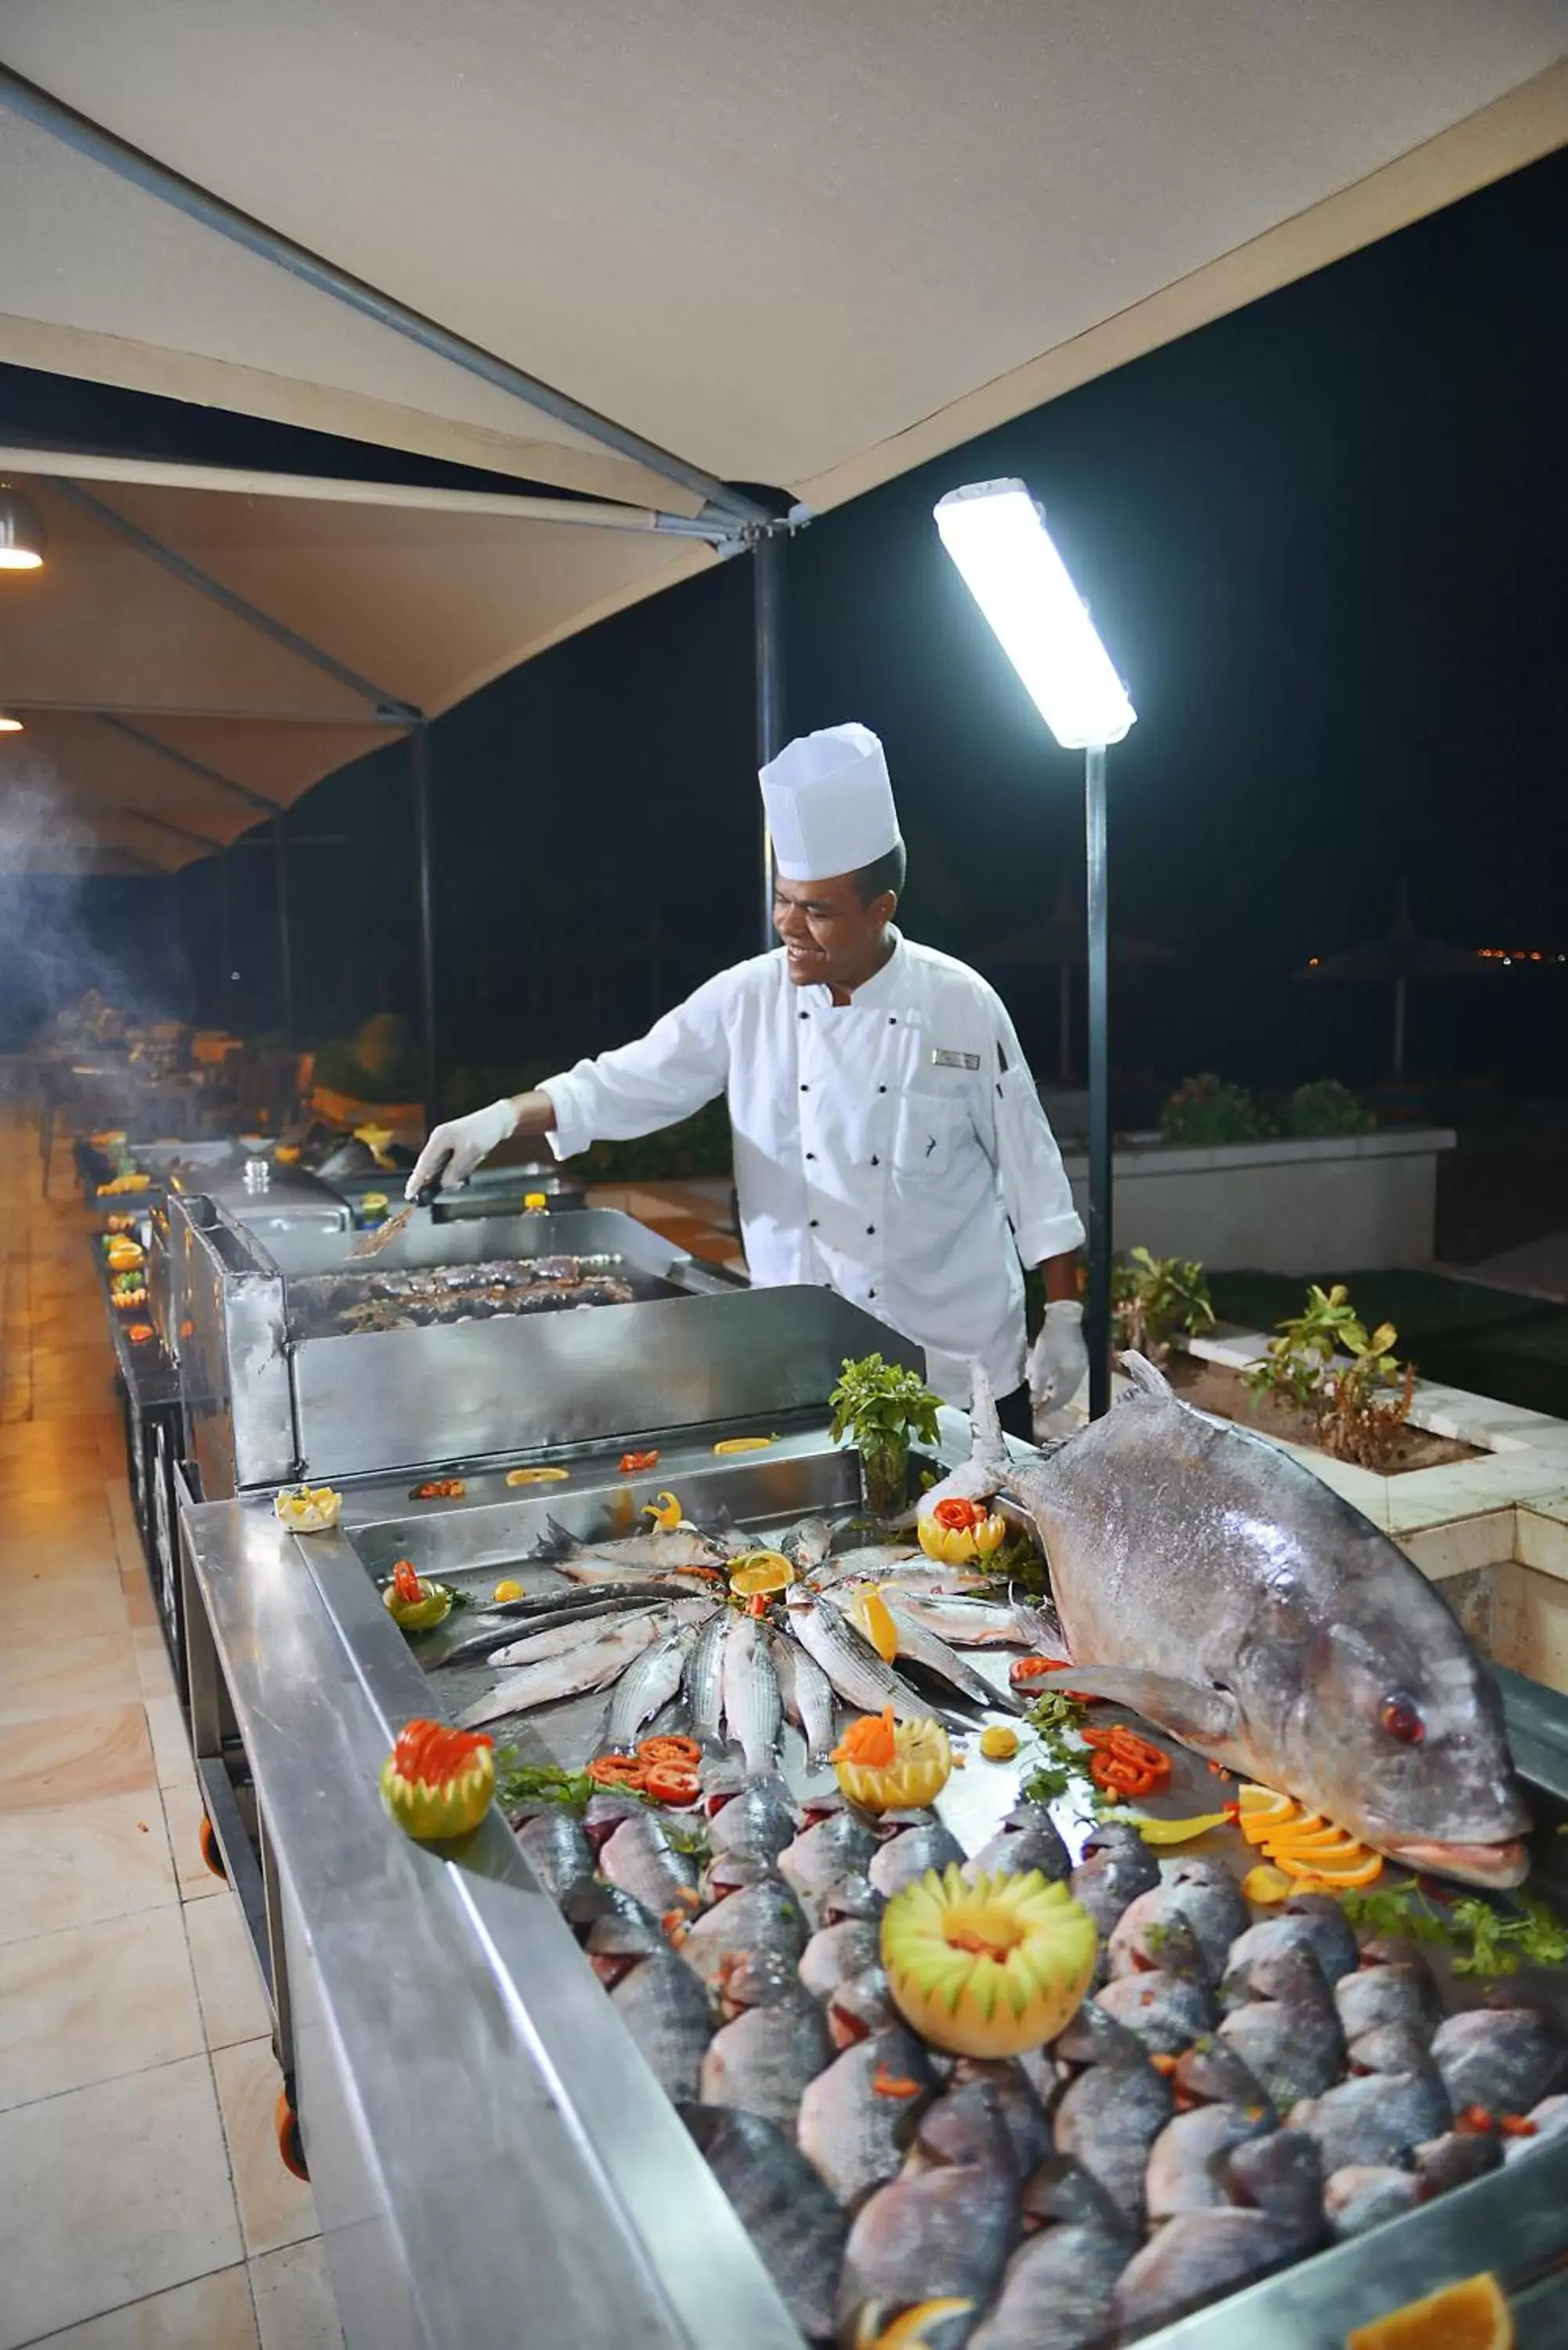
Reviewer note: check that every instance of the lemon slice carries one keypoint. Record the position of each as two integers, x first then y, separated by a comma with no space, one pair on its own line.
1178,1831
761,1570
507,1589
870,1613
744,1444
536,1476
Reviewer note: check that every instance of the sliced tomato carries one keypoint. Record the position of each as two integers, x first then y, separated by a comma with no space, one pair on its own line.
670,1783
685,1752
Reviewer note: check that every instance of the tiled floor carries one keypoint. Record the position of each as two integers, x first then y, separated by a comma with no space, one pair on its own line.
142,2203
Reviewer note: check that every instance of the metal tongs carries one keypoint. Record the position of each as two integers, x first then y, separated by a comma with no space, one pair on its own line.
372,1242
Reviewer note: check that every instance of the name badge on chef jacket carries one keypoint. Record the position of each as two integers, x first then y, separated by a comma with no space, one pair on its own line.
942,1060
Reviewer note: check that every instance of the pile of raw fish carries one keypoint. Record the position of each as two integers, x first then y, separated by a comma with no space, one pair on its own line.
1235,2094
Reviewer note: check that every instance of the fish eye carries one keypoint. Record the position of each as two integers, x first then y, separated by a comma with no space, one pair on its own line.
1400,1716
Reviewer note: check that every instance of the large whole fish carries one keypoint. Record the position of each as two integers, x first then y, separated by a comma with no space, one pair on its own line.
1210,1581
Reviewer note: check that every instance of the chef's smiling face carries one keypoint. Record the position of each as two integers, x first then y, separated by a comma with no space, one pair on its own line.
831,938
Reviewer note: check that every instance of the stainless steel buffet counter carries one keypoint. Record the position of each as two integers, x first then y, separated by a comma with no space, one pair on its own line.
493,2162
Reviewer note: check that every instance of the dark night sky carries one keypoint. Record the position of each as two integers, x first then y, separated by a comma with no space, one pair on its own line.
1322,540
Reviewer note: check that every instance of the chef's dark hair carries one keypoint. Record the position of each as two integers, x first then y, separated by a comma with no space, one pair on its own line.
883,873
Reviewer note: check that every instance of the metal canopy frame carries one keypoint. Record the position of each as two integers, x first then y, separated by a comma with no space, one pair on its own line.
731,520
170,187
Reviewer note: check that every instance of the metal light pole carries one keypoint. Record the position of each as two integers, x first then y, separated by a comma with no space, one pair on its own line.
1097,1303
996,535
767,583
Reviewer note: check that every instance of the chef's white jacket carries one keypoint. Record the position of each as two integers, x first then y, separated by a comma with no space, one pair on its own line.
882,1147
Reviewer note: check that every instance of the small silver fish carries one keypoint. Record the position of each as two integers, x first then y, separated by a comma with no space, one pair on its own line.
835,1953
592,1664
761,1916
666,2010
944,2228
807,1696
850,1662
560,1639
858,2117
649,1682
640,1859
1504,2058
762,2061
753,1709
557,1850
963,1623
904,1857
759,1819
789,2213
705,1679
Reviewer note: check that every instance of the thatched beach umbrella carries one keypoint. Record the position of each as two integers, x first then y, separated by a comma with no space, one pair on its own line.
1062,940
1400,958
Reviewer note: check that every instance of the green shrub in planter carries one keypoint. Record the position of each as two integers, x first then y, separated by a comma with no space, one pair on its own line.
1205,1110
1326,1108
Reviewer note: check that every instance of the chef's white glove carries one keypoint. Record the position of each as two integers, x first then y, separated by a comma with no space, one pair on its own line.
468,1141
1058,1364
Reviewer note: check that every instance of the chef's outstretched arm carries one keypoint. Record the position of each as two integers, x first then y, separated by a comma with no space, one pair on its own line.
681,1063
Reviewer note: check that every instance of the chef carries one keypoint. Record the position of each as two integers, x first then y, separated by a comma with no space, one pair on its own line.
890,1143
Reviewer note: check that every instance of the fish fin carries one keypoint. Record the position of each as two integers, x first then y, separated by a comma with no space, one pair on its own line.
1040,1627
1199,1716
555,1542
1147,1382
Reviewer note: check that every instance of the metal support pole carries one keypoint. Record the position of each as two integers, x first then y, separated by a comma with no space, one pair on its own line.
223,1006
420,756
1097,1305
767,583
285,934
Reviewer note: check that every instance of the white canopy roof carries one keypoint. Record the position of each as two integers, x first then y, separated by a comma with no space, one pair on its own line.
809,246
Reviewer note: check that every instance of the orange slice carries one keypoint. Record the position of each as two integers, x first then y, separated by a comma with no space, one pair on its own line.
1263,1811
1341,1871
1326,1840
761,1570
1472,2316
870,1613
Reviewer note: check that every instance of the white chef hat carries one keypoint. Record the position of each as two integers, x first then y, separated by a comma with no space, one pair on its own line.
829,804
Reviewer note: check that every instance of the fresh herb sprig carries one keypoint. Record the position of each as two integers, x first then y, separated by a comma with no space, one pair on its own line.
1487,1940
517,1782
1064,1763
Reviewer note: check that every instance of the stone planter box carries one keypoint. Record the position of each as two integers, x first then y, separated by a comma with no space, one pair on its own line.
1352,1203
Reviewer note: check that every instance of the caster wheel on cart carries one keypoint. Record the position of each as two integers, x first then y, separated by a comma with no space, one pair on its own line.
210,1852
290,2147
